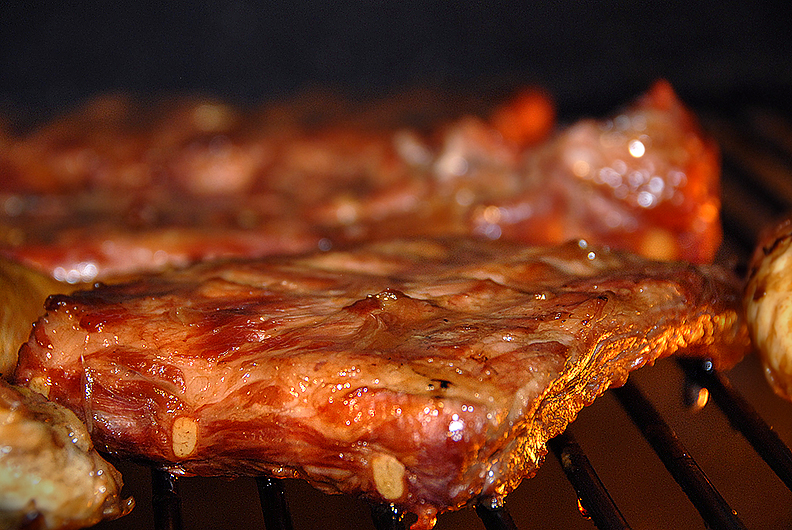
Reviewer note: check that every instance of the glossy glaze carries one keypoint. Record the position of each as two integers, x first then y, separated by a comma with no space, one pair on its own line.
429,373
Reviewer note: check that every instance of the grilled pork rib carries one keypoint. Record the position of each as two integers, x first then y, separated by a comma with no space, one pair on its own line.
117,189
427,373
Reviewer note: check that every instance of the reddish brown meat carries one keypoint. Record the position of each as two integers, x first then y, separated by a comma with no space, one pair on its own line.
116,189
420,372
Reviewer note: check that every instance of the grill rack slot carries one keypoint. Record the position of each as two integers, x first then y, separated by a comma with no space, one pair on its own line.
167,507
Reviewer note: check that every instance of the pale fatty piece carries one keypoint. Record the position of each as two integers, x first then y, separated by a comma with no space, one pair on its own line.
426,373
51,477
768,304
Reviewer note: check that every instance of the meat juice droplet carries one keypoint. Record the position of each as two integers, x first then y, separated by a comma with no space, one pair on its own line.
695,396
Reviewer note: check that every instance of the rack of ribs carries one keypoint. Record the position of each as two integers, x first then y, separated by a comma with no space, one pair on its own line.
427,373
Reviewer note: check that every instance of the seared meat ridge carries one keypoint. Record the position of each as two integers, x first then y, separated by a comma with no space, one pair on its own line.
428,373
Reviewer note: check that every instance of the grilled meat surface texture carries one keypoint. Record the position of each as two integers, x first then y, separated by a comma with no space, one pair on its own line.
425,373
51,477
119,189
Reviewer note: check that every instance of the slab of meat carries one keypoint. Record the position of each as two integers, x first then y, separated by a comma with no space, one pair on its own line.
51,477
117,189
427,373
768,304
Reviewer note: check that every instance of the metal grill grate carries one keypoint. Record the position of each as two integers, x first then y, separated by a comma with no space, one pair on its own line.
757,187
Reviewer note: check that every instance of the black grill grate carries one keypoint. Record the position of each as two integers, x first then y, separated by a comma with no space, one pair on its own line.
704,496
595,501
745,419
757,188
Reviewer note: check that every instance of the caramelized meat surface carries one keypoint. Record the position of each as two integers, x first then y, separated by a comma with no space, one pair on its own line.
426,373
116,189
51,477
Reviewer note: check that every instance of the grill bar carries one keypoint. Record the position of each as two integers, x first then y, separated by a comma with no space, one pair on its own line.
760,148
387,517
595,500
273,504
757,170
165,500
710,504
744,418
495,517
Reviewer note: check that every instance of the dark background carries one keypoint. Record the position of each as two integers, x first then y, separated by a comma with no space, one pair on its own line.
589,55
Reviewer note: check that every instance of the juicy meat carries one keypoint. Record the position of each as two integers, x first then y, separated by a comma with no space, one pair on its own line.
51,477
427,373
117,189
645,179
